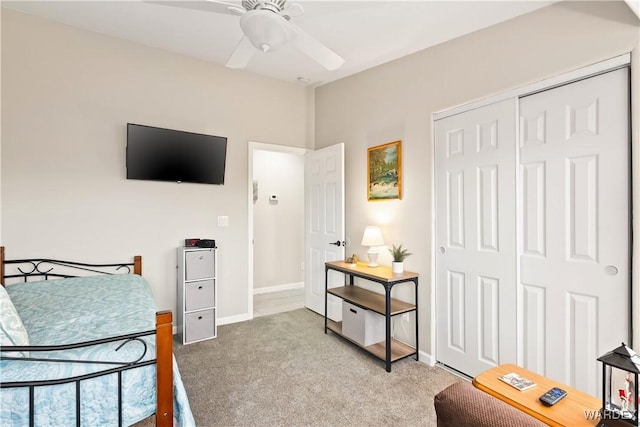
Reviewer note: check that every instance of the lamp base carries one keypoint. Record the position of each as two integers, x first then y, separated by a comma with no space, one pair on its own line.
372,254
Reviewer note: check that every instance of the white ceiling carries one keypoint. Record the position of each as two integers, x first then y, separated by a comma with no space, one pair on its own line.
364,33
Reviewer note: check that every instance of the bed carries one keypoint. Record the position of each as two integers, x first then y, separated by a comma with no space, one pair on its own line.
85,351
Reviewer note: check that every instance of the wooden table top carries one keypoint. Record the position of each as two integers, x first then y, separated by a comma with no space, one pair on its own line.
381,273
570,411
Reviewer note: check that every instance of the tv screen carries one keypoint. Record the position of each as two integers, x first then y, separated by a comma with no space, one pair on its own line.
170,155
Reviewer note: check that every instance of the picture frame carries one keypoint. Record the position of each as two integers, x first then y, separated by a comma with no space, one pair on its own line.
384,172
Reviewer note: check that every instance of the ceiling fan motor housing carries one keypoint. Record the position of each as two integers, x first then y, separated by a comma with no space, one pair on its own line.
272,5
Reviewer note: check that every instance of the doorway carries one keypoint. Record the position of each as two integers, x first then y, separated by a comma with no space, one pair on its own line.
276,228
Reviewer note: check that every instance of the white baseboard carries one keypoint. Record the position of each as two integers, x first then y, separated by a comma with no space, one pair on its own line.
278,288
427,358
234,319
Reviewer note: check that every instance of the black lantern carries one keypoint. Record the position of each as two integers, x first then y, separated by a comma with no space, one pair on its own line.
620,369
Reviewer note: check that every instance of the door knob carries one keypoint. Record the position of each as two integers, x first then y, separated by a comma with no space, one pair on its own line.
337,243
442,249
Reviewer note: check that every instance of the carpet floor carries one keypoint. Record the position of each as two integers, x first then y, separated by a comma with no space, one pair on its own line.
283,370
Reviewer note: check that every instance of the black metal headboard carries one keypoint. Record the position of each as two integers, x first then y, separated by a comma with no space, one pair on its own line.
53,268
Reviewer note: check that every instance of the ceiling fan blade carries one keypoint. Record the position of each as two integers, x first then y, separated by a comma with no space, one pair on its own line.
242,54
292,10
203,5
315,50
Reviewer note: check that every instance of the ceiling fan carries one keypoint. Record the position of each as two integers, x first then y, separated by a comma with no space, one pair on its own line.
267,26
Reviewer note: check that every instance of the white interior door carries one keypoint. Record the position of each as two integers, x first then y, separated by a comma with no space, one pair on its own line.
574,284
476,238
324,225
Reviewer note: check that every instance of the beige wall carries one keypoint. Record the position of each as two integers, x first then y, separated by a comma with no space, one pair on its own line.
67,95
396,101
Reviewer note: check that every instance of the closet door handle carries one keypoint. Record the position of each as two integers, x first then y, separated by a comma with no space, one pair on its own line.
611,270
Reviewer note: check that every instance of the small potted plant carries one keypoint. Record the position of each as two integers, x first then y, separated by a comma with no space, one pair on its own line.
399,254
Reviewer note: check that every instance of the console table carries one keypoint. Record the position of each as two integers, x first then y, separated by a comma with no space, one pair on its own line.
389,350
575,409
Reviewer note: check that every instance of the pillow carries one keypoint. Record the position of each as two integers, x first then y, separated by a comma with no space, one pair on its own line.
12,331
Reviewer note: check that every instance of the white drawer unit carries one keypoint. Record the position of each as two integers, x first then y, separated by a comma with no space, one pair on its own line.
197,294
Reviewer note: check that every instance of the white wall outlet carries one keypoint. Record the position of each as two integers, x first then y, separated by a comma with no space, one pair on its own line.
223,221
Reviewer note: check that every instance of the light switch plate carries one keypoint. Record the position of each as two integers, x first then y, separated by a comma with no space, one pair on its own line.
223,221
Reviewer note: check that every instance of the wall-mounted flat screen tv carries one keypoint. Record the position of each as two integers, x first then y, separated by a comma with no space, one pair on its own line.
159,154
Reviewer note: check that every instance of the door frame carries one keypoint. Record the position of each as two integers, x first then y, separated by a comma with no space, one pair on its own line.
252,146
611,64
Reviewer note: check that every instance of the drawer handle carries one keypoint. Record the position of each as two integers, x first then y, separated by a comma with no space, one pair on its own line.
199,317
199,287
201,257
353,311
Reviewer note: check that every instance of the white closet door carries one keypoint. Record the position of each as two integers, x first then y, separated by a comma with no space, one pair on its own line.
574,284
476,238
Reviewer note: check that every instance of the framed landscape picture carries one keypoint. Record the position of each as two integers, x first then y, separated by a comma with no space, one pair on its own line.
384,171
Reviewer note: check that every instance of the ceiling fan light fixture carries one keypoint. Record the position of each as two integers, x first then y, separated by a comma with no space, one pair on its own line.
265,29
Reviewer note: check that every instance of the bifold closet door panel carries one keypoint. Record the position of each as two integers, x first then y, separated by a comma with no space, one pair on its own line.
475,237
574,189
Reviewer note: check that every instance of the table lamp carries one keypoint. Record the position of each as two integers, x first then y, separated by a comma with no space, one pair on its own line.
372,237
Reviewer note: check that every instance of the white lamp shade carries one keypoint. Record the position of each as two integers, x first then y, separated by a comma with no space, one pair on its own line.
372,236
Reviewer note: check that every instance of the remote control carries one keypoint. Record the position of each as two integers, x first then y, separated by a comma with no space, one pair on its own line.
553,396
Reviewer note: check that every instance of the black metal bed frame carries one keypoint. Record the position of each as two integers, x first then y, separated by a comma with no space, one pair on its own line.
39,267
121,367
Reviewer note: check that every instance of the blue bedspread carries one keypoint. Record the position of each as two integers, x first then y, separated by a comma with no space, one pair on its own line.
83,309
